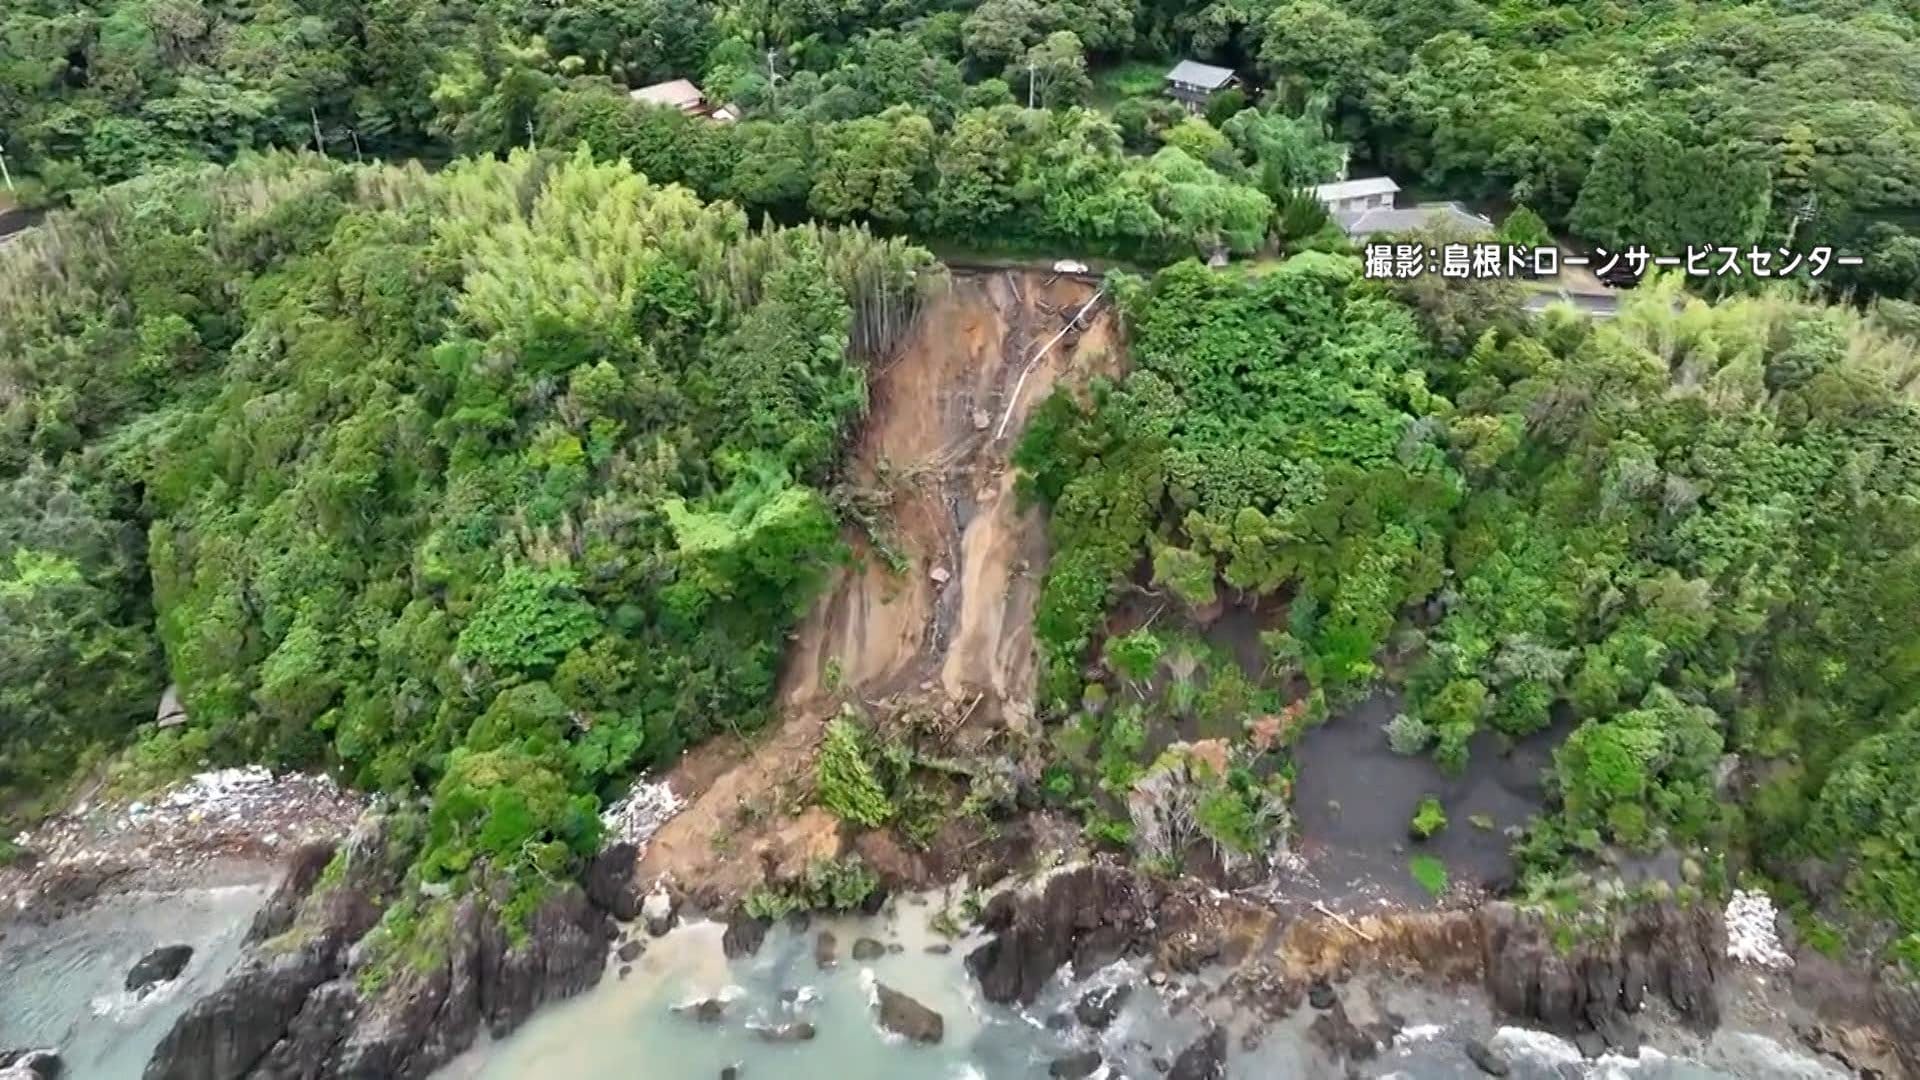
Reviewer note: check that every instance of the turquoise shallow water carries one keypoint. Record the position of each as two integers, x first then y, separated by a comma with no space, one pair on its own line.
62,985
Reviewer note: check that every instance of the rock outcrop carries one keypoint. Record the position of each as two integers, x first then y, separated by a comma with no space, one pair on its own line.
1897,998
30,1065
163,964
1089,916
1206,1059
743,935
908,1018
1076,1066
610,881
1655,949
295,1007
1098,1007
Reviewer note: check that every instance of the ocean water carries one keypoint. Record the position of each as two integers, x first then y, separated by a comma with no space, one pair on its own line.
63,985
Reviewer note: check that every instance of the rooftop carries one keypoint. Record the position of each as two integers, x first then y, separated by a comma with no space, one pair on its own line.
1448,215
1194,73
1355,189
678,94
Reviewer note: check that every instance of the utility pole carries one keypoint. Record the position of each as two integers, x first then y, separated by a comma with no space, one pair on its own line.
1029,84
357,155
773,82
529,132
5,173
319,140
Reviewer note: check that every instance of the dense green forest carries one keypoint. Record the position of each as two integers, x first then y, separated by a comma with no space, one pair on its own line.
1685,533
497,483
1781,122
498,478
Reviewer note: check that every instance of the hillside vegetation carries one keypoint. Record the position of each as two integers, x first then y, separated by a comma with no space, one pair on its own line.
489,482
496,484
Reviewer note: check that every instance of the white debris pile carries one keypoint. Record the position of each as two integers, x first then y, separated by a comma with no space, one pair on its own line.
1752,937
246,795
636,817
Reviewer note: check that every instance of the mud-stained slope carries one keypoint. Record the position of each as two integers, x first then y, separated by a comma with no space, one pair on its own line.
936,612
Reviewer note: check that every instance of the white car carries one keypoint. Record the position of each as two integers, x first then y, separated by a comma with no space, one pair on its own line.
1070,266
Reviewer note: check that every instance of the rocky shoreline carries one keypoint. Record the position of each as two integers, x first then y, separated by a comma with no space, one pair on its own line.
310,998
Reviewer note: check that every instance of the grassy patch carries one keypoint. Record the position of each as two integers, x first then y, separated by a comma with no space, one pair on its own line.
1134,78
1430,873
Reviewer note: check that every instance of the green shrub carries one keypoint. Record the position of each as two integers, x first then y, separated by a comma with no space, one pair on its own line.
826,885
1428,818
1429,873
845,779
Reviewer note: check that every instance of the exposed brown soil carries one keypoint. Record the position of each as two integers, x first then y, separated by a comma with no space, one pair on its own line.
934,617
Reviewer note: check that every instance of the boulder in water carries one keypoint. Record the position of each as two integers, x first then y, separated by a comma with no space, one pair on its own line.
1206,1059
744,935
1098,1007
163,964
1087,915
797,1031
868,949
30,1065
1486,1058
904,1016
1320,995
826,949
706,1010
658,909
1075,1066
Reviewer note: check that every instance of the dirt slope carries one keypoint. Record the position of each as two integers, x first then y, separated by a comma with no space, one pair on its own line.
935,614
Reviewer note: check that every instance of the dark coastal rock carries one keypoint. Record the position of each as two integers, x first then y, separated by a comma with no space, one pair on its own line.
227,1033
1206,1059
731,1072
629,951
304,868
1659,948
224,1034
939,948
1075,1066
868,949
1487,1059
826,949
1347,1041
1097,1008
293,1007
1897,1000
743,936
906,1017
30,1065
797,1031
163,964
1320,995
610,883
1089,915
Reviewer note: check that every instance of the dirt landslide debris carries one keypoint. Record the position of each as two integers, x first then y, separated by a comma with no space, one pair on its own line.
237,817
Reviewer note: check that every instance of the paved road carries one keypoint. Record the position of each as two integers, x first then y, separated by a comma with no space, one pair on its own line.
1598,306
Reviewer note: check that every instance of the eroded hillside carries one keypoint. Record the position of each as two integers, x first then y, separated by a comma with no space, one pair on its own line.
934,614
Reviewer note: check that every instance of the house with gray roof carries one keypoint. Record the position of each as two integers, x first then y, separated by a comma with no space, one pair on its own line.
1193,84
1365,208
